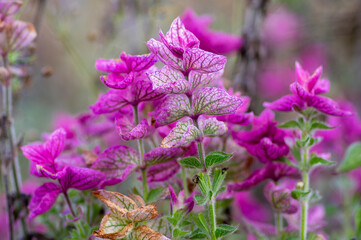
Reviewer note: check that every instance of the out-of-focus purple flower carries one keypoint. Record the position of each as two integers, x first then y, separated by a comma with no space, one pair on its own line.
123,71
273,171
179,202
279,196
8,8
163,171
316,215
210,40
306,92
44,157
347,131
15,35
265,140
253,213
136,93
179,50
93,125
274,81
205,101
281,28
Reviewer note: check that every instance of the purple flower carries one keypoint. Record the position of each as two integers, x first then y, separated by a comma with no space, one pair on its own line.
45,159
9,8
123,71
205,101
306,92
116,163
163,171
179,202
210,40
15,35
265,140
179,49
127,129
114,100
279,196
273,171
347,131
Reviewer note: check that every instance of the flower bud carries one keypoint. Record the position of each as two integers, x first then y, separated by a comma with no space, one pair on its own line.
300,185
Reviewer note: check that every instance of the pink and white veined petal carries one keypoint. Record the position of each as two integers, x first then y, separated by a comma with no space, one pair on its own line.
286,103
211,127
199,80
111,65
160,155
172,109
183,134
202,61
327,106
80,178
55,143
116,162
163,171
214,101
138,63
169,81
164,54
111,101
127,131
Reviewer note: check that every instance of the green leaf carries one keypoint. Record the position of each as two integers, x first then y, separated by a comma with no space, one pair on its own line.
204,185
315,160
154,194
222,189
224,229
299,195
179,233
201,223
296,153
289,124
215,158
352,158
200,199
185,223
218,179
198,234
172,220
358,222
319,125
190,162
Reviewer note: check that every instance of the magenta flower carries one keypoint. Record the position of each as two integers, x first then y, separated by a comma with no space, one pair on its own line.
274,171
265,140
127,129
114,100
123,71
347,131
205,101
306,92
45,158
210,40
179,49
279,196
179,202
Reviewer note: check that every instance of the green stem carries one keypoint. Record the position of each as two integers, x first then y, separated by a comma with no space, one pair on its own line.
212,219
279,222
145,184
201,152
141,154
69,203
7,102
306,188
185,184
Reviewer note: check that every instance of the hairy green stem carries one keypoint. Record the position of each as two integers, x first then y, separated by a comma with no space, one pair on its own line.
279,222
212,219
141,154
185,184
306,187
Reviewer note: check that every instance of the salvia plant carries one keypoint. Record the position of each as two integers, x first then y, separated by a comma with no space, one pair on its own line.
186,150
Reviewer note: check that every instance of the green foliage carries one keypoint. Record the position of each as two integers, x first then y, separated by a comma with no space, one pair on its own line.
315,160
352,158
215,158
358,223
190,162
224,229
300,195
319,125
154,194
82,231
290,124
198,234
